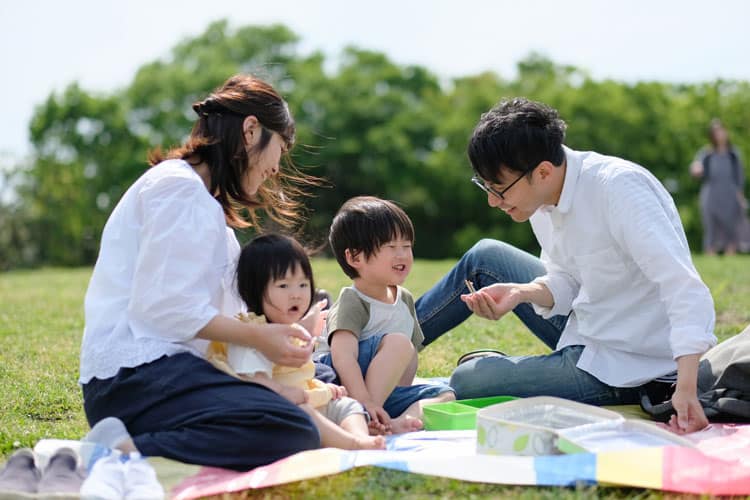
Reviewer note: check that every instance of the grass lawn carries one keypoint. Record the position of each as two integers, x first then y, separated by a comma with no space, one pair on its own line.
41,321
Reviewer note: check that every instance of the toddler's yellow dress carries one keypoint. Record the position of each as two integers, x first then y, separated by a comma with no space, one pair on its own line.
318,393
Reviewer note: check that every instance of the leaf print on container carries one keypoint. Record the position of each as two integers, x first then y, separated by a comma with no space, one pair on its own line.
520,443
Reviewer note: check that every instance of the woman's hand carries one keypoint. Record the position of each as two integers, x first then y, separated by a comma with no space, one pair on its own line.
742,201
493,301
286,345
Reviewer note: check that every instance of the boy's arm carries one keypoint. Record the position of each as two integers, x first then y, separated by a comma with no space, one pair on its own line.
344,352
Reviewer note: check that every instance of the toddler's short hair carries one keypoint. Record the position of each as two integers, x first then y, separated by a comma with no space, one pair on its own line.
264,259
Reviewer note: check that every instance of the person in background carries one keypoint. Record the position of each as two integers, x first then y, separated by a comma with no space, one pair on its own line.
722,194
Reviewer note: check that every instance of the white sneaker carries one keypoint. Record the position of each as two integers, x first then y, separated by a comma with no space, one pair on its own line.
140,480
106,480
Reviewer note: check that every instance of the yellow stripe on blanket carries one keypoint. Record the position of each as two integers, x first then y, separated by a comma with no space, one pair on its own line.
640,467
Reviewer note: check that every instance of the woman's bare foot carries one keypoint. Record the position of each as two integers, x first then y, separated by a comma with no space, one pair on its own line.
406,423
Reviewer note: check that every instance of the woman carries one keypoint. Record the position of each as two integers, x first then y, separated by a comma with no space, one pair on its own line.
722,198
161,290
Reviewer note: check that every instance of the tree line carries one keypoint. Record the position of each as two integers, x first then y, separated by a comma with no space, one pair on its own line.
367,126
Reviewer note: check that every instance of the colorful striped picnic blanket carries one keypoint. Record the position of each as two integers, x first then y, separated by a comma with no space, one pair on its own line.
719,465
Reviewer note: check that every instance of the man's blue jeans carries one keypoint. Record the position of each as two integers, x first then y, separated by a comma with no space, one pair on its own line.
441,309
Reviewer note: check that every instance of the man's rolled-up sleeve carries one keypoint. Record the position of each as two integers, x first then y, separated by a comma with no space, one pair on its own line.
563,287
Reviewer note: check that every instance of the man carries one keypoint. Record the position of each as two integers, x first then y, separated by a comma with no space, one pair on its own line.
615,293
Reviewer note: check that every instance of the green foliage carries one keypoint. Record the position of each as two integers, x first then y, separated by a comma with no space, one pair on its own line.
366,124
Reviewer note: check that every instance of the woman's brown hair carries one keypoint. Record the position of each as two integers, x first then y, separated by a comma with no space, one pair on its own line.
217,140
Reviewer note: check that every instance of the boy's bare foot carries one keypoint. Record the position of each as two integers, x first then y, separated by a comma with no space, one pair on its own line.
406,423
378,429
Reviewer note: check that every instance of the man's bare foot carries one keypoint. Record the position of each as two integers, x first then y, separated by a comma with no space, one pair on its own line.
406,423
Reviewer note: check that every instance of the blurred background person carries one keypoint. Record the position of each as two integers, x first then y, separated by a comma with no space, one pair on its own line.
722,196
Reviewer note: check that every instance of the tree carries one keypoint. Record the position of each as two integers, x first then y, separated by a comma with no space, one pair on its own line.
368,126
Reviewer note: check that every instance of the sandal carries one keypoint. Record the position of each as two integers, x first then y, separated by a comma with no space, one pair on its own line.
480,353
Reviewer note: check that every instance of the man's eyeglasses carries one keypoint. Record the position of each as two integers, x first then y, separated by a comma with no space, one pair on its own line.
487,189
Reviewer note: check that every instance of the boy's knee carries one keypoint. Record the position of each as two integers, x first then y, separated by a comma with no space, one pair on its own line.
398,343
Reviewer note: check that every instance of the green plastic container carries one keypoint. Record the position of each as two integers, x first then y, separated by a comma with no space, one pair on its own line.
458,415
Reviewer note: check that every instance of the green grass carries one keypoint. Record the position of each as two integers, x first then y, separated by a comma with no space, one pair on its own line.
41,322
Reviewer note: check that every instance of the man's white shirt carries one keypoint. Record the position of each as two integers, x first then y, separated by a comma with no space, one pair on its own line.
618,261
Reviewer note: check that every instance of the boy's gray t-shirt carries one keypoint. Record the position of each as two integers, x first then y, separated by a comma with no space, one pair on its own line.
365,317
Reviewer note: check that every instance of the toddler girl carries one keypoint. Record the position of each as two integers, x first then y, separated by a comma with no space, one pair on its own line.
274,280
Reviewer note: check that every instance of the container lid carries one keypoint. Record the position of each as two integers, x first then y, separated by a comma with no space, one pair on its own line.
547,413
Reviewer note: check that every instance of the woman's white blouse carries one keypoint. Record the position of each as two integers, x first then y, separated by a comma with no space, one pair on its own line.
165,269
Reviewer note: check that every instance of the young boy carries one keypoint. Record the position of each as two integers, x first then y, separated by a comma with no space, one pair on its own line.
372,332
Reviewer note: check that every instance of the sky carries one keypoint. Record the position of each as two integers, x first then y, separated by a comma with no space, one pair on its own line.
47,44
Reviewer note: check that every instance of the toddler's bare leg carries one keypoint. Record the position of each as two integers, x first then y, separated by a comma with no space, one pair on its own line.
331,435
356,424
293,394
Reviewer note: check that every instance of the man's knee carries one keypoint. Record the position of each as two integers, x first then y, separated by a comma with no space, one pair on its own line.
486,247
463,381
486,253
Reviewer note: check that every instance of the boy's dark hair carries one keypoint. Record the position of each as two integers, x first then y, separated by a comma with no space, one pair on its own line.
266,258
364,224
516,134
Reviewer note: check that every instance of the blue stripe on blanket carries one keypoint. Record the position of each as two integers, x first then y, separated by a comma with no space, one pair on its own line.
566,470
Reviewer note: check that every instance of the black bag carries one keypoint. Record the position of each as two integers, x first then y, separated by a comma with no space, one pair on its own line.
723,384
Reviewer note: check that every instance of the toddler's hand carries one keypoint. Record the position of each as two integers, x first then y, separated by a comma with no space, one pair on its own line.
337,391
315,319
